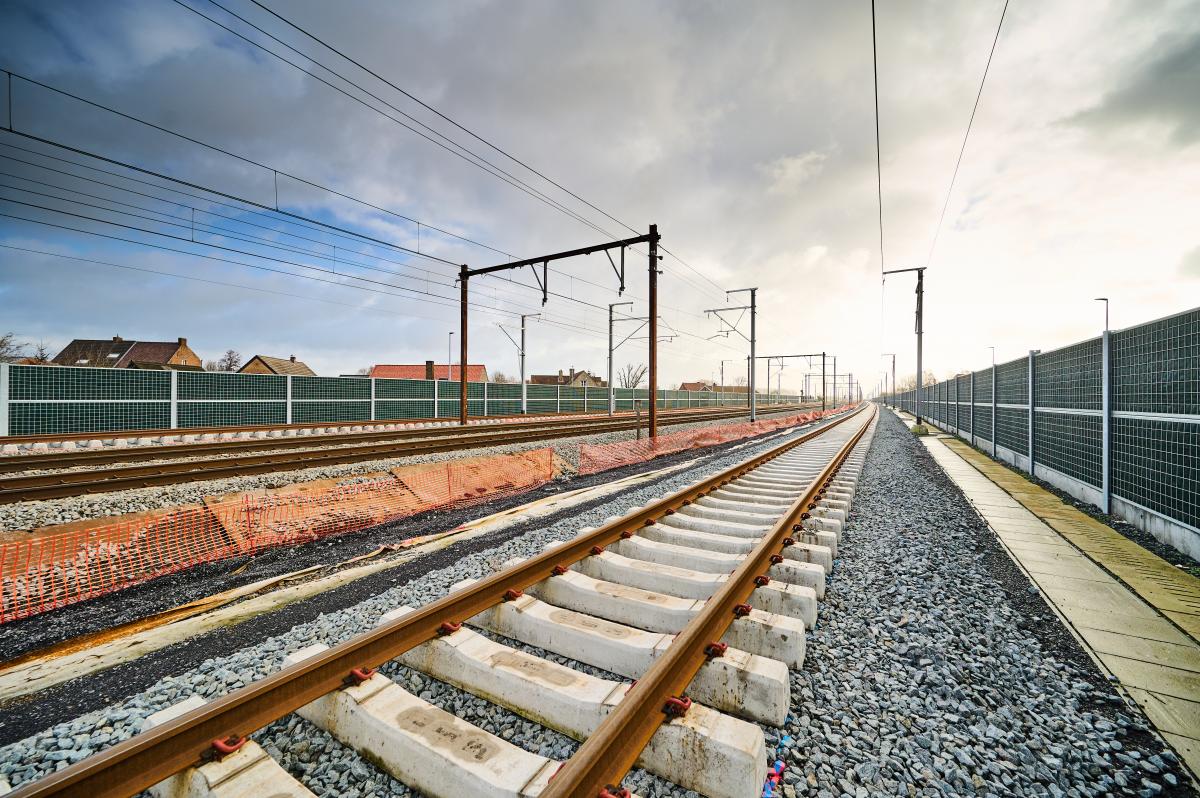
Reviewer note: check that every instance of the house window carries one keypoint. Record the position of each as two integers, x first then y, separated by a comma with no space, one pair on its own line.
81,361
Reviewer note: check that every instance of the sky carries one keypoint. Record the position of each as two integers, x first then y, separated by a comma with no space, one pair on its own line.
745,131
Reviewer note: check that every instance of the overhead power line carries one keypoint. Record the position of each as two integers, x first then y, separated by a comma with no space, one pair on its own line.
967,135
345,56
878,160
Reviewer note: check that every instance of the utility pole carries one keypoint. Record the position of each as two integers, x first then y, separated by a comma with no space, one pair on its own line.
920,270
612,395
892,355
753,308
653,299
822,382
521,357
835,390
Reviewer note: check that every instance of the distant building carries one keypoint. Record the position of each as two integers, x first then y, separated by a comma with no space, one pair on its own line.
708,386
428,371
121,354
288,366
572,379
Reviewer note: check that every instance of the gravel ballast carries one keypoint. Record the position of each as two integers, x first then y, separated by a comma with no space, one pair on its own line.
936,668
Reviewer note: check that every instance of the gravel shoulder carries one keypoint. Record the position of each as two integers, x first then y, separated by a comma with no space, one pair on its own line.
937,669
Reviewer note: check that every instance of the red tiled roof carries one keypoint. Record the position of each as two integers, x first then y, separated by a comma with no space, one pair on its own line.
475,373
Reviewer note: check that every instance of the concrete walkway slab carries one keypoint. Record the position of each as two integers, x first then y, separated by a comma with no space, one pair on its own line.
1136,614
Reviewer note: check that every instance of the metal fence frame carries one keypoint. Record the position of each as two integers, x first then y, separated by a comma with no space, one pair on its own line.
44,400
1113,420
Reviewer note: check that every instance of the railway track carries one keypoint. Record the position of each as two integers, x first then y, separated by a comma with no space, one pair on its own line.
192,462
701,598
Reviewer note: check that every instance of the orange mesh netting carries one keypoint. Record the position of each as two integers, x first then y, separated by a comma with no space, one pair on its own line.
61,565
601,457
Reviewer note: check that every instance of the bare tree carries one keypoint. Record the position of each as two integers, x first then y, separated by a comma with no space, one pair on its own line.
364,371
229,361
910,382
630,376
10,348
740,381
211,365
501,377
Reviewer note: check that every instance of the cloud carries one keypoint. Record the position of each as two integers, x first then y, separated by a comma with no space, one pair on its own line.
1189,264
789,173
1164,93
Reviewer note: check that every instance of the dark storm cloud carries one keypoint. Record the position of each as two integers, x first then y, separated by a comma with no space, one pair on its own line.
1164,91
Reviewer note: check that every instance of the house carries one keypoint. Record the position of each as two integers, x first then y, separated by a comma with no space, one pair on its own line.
288,366
428,371
709,386
573,379
121,354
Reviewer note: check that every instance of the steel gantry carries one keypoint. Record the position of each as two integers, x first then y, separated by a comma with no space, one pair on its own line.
650,239
752,339
920,330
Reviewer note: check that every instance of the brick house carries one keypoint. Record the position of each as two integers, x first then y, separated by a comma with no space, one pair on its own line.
288,366
572,379
121,354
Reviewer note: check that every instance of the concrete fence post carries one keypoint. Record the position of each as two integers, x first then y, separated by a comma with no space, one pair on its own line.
174,399
972,408
1032,406
5,390
435,398
372,397
995,434
558,399
288,399
1106,423
485,412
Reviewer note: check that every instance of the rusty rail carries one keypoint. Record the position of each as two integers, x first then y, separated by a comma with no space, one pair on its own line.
613,748
147,758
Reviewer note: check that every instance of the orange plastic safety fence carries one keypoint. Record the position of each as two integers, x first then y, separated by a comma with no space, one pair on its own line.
56,569
601,457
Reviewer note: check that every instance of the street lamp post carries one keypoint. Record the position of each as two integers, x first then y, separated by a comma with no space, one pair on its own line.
920,270
892,355
1104,299
449,356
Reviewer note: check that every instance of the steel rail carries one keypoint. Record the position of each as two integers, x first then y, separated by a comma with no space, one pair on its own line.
613,748
63,484
71,459
147,758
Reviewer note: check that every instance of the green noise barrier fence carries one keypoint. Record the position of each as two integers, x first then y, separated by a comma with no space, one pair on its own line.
47,400
1113,420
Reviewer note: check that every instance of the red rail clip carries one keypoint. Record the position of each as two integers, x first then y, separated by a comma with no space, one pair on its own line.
797,528
449,628
805,516
649,522
713,650
614,792
627,534
776,559
357,676
788,542
597,549
677,707
687,502
741,610
669,512
762,580
812,505
512,594
226,746
559,570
